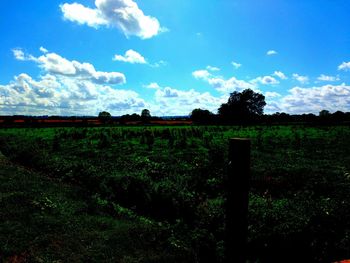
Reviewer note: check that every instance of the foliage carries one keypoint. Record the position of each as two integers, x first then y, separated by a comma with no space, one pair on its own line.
242,105
104,116
43,220
145,113
202,116
145,116
173,177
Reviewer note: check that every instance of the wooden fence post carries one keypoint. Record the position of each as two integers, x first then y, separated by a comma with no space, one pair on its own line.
237,189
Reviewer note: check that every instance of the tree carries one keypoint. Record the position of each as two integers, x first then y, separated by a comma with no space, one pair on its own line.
338,116
242,106
201,116
324,114
104,116
145,115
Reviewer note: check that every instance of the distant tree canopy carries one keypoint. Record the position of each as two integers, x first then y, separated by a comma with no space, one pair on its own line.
242,106
104,116
201,116
324,113
128,117
145,115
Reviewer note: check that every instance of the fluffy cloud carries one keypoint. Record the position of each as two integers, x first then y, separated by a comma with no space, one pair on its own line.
201,74
167,92
152,85
158,64
230,85
221,84
301,79
131,56
170,101
55,64
122,14
211,68
272,94
83,15
65,96
344,66
280,74
323,77
67,88
44,50
304,100
19,54
271,52
236,65
266,80
25,95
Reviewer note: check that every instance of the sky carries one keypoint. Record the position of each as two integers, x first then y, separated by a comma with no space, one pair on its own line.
81,57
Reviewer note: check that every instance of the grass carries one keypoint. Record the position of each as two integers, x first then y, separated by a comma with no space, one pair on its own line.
166,183
43,220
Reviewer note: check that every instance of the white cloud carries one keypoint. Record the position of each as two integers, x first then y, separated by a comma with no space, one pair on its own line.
19,54
230,85
344,66
323,77
221,84
158,64
280,74
272,107
170,101
201,74
313,100
63,95
152,85
43,50
272,94
122,14
167,92
266,80
67,88
301,79
131,56
56,64
211,68
271,52
83,15
53,63
236,65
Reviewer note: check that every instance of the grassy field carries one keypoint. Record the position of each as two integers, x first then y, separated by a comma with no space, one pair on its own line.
98,191
44,220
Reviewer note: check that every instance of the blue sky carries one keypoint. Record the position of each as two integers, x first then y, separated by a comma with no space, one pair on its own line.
171,56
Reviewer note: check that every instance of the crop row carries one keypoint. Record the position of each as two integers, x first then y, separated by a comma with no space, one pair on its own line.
174,176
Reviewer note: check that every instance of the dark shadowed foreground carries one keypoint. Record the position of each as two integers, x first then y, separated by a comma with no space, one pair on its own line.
155,194
43,220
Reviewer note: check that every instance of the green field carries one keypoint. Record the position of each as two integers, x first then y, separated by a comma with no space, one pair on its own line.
98,190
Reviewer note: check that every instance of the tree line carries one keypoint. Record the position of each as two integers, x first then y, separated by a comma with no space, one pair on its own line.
246,107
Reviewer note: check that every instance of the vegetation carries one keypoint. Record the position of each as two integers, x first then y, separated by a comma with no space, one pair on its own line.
242,106
44,220
104,116
168,181
202,116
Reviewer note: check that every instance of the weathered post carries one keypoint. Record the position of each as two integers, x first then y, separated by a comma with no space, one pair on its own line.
237,188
